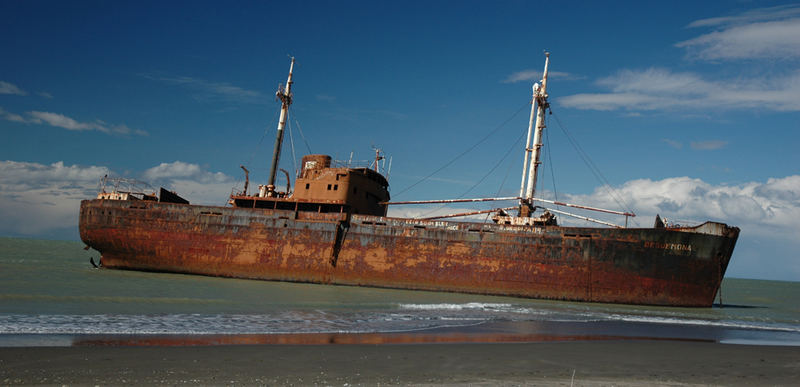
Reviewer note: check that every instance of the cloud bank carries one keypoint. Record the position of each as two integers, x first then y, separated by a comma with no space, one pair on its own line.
37,199
44,199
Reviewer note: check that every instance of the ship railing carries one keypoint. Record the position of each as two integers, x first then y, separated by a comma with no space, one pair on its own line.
351,163
125,185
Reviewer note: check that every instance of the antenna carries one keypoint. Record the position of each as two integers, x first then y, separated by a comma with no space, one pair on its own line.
378,158
389,170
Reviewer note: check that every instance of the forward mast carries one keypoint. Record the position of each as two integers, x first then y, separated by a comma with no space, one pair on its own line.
285,96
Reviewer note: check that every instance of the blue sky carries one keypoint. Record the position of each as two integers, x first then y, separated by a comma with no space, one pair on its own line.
689,109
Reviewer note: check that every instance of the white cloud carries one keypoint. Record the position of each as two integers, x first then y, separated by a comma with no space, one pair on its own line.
657,89
8,88
192,182
765,33
180,169
751,16
62,121
12,117
775,39
45,94
762,33
535,75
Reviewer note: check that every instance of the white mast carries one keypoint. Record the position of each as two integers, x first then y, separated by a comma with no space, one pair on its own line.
540,95
285,95
528,146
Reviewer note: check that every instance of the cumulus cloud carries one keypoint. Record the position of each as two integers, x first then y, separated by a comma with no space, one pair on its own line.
662,89
192,182
62,121
180,169
757,34
8,88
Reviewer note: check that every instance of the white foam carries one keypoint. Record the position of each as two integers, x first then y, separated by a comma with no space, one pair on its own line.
469,305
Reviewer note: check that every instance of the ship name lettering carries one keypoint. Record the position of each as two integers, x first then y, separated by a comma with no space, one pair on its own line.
667,246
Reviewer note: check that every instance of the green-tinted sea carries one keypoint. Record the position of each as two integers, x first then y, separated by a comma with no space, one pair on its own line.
50,294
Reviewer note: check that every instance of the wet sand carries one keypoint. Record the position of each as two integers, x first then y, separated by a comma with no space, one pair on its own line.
599,362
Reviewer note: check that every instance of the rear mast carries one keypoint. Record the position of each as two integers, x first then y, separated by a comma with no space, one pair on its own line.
285,96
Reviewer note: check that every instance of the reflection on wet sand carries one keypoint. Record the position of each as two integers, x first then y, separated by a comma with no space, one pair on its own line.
340,338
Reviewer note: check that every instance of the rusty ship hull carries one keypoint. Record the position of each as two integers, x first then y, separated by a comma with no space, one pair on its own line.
653,266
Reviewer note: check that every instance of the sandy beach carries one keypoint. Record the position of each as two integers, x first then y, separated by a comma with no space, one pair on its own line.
605,362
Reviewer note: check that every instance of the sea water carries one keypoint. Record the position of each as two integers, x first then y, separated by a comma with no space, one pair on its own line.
50,294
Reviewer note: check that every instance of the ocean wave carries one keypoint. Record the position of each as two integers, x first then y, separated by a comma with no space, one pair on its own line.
475,310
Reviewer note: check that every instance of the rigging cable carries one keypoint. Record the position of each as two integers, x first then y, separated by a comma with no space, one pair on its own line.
514,145
300,129
503,183
264,135
464,152
594,169
294,156
550,162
